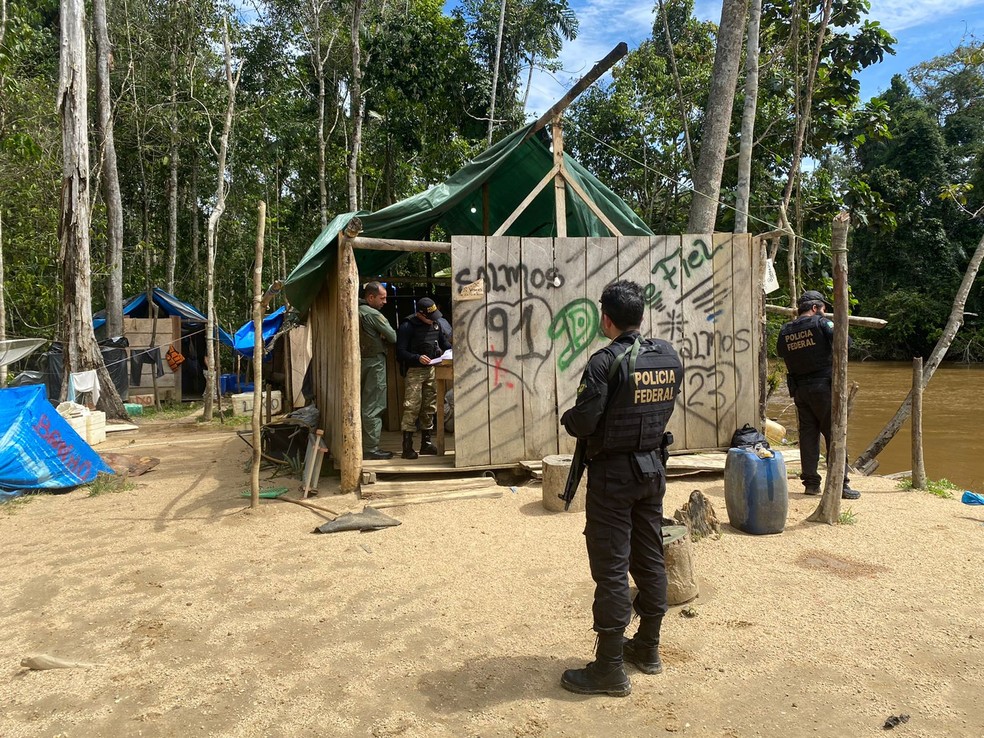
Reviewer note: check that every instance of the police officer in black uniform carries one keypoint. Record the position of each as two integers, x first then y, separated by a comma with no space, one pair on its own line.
807,346
419,340
623,403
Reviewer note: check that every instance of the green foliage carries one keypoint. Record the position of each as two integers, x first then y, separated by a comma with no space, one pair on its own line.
942,488
847,517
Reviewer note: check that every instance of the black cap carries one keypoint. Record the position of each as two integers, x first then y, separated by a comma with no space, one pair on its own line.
426,306
812,296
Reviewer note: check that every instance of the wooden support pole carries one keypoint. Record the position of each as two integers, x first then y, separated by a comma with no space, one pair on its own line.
829,509
582,84
501,230
254,497
560,186
857,321
389,244
918,463
350,464
589,202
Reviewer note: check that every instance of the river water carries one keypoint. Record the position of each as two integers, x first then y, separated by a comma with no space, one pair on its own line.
953,419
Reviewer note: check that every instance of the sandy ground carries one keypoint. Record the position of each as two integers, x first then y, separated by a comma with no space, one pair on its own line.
214,620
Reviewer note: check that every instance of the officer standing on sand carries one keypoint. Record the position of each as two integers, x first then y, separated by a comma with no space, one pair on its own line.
374,329
624,402
419,340
807,346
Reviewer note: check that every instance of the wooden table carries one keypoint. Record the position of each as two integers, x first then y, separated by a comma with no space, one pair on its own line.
443,373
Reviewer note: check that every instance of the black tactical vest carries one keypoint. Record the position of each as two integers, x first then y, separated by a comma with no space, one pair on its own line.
640,397
805,348
425,339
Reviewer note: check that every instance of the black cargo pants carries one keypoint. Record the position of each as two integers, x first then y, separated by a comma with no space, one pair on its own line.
813,400
623,532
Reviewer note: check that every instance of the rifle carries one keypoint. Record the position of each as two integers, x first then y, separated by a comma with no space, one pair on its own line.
578,465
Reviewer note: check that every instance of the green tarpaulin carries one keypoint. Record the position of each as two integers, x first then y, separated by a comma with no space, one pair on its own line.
511,168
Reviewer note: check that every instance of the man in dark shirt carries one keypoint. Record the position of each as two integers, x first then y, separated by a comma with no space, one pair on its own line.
419,340
624,401
806,345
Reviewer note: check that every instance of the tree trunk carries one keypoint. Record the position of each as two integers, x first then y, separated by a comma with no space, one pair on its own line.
717,118
748,118
495,69
829,509
319,73
918,461
254,498
355,108
111,177
3,306
211,331
196,235
81,351
172,190
939,352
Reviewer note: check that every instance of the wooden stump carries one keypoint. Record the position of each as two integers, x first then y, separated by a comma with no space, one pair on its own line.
699,517
555,470
681,584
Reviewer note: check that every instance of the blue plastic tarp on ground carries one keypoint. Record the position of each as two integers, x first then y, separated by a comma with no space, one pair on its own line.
38,448
244,340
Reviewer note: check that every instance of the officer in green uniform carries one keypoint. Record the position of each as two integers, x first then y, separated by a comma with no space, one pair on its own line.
374,329
807,346
624,402
419,340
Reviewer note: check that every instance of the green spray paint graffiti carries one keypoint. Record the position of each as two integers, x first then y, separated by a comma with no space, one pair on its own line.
579,323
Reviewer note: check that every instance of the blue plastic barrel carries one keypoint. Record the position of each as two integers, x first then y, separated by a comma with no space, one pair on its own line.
755,491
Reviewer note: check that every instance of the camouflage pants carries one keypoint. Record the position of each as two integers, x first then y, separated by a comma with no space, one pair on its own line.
419,399
373,400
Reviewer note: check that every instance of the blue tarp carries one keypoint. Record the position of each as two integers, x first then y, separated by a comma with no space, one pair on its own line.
38,448
244,340
168,304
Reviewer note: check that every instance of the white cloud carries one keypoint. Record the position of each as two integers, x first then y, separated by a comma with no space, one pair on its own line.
898,15
603,24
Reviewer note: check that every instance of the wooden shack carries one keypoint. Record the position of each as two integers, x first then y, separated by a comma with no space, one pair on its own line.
536,237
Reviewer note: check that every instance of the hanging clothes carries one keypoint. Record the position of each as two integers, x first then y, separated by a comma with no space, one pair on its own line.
139,357
79,382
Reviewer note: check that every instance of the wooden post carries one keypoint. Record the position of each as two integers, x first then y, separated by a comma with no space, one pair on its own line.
348,284
560,186
254,498
829,509
918,463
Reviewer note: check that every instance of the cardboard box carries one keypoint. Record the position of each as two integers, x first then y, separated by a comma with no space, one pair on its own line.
242,404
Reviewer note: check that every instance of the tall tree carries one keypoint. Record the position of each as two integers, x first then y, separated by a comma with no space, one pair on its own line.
81,351
221,189
747,141
110,174
717,118
355,107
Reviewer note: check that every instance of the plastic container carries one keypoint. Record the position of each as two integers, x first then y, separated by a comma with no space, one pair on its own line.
755,491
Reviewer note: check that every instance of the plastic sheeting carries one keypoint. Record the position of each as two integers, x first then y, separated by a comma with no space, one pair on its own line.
38,448
243,342
509,169
168,304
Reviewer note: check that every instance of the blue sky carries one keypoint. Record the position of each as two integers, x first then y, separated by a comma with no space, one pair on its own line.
924,29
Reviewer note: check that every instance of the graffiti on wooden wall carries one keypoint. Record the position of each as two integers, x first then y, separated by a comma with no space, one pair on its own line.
519,358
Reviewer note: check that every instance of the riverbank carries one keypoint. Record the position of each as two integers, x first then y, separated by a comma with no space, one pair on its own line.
951,422
214,620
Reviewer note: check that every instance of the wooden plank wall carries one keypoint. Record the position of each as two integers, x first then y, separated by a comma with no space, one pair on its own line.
326,360
520,351
138,332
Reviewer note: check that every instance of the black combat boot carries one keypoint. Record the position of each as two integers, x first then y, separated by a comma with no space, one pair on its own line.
642,650
605,674
426,447
408,452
